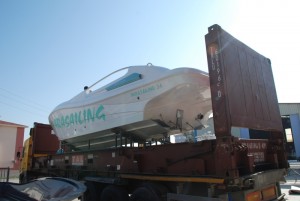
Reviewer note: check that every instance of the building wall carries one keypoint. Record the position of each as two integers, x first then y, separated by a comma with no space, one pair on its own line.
289,108
19,146
8,136
293,110
295,123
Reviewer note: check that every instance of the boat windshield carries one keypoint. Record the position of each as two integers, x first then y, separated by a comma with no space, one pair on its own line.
107,79
129,79
116,75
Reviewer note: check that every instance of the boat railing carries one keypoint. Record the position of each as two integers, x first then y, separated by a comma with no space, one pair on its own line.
89,89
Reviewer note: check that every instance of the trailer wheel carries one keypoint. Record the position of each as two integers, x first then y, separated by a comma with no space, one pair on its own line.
91,192
144,194
114,193
22,178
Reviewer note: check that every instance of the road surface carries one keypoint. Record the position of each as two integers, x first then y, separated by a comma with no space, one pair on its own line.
292,179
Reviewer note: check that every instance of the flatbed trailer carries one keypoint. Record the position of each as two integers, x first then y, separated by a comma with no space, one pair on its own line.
226,168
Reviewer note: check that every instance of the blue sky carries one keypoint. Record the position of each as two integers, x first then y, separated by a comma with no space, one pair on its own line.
49,50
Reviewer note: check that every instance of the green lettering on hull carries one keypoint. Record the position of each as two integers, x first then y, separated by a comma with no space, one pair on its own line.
80,117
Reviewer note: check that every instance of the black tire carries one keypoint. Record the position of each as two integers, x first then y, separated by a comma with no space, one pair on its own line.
114,193
91,192
22,178
144,194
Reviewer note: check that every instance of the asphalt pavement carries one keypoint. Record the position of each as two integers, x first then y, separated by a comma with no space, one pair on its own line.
292,180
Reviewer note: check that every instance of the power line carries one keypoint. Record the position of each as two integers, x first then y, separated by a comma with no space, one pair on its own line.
24,103
19,108
34,103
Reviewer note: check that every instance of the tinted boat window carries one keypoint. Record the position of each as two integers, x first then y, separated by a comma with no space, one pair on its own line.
129,79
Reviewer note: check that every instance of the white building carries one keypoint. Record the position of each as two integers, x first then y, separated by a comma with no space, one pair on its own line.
11,143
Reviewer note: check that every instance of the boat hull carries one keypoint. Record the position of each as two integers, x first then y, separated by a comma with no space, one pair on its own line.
178,98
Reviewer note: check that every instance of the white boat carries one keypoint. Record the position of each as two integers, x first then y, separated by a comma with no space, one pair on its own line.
147,102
